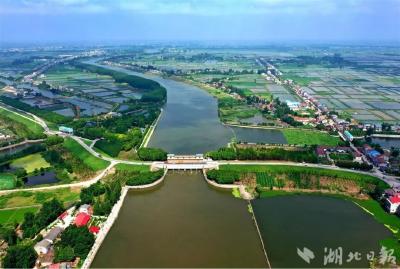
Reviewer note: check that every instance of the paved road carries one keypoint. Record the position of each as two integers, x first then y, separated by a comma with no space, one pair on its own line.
391,180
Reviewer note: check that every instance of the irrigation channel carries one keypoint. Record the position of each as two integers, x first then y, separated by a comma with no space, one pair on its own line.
184,222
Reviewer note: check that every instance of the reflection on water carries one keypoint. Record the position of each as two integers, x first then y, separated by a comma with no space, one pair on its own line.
184,223
290,222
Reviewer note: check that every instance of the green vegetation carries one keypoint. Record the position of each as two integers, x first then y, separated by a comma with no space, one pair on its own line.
154,92
37,198
88,159
142,178
75,242
9,217
20,256
130,167
102,196
34,223
300,80
223,177
306,154
31,162
353,165
7,181
305,137
45,114
110,147
299,177
230,109
152,154
21,126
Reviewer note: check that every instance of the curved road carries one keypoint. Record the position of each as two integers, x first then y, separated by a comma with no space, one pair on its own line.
390,180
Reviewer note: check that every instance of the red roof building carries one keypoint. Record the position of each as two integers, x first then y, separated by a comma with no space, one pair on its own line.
63,215
82,219
395,199
94,229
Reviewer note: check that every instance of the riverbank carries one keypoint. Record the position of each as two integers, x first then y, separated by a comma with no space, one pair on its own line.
112,217
150,131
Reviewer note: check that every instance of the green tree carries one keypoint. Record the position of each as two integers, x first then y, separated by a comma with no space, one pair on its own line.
20,256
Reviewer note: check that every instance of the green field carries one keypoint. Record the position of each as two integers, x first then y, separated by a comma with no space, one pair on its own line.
305,137
31,125
78,151
31,162
11,216
37,198
7,181
130,167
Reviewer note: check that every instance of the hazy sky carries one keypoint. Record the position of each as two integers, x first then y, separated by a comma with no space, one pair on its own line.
234,20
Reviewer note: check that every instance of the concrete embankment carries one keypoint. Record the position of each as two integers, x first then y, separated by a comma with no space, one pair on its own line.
242,188
385,135
150,132
111,219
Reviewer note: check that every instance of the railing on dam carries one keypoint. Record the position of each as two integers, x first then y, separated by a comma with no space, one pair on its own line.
185,162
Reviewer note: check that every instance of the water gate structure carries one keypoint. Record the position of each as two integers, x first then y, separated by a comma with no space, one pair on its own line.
185,162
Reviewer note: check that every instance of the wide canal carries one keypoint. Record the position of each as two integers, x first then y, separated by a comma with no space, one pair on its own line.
183,223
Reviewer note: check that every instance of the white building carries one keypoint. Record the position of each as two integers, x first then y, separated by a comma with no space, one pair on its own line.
392,204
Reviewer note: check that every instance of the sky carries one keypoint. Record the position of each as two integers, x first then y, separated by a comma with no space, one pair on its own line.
199,20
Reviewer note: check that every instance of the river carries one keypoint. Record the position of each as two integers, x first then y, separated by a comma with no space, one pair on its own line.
290,222
183,223
190,124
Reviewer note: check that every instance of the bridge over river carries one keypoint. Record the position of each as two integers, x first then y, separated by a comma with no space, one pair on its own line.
185,162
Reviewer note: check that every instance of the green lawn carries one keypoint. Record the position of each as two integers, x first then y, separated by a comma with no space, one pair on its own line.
11,216
37,198
305,137
7,181
78,151
31,125
30,162
130,167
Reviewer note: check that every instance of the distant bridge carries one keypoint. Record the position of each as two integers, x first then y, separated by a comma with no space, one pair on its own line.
185,162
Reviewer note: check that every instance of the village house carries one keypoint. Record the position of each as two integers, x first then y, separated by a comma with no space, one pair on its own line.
44,245
392,204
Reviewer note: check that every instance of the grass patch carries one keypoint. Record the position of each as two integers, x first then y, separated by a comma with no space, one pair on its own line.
25,198
11,216
32,126
303,137
111,148
7,181
132,168
31,162
78,151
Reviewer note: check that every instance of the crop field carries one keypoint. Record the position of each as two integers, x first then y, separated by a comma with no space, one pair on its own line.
30,162
369,96
78,151
7,181
11,216
305,137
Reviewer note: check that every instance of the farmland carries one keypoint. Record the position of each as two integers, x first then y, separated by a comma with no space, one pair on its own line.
301,137
7,181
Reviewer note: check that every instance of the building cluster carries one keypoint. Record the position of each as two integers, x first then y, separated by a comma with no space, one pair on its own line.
324,151
45,248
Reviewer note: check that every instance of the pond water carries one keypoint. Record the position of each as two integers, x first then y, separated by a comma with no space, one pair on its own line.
42,178
290,222
184,223
387,142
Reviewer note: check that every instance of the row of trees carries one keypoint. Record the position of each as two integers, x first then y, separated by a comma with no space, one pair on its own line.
152,154
75,242
304,155
33,223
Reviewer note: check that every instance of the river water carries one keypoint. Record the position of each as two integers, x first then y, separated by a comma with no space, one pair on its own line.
183,223
290,222
190,124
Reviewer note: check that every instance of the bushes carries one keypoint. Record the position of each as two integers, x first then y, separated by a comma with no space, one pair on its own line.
75,242
353,165
152,154
45,114
304,155
112,147
48,213
223,154
20,256
142,178
223,176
